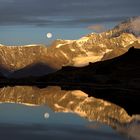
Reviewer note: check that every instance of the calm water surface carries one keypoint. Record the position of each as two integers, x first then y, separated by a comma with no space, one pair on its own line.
51,113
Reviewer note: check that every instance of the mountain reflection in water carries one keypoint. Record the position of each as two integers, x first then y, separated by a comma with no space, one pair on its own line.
76,102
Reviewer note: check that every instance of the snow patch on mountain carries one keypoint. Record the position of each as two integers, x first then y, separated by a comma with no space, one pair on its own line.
80,61
73,50
59,45
64,54
82,40
1,45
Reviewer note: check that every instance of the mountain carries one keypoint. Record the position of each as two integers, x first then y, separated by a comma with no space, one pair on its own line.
1,76
120,50
122,69
36,70
90,48
116,80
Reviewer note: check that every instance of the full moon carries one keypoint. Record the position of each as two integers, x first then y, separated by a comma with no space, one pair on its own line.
46,115
49,35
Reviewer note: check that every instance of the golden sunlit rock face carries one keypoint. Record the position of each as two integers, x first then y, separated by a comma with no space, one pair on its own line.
39,59
59,100
90,48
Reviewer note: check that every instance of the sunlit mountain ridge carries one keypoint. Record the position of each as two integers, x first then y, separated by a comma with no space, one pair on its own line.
90,48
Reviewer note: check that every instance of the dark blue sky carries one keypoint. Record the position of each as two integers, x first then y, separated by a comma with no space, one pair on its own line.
28,21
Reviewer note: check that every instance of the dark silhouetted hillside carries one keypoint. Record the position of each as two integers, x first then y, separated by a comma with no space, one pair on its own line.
34,70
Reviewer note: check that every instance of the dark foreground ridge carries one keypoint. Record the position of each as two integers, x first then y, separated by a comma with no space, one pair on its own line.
116,80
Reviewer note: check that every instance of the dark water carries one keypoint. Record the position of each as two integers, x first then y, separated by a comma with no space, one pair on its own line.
52,113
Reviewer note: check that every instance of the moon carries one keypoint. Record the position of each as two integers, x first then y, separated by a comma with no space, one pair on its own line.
46,115
49,35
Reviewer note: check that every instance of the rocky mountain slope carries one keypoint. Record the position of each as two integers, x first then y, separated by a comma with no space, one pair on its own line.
123,69
90,48
116,80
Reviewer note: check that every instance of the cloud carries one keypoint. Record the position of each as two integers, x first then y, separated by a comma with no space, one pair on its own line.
135,25
97,28
13,12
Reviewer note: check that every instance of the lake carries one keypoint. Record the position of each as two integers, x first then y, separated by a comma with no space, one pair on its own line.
51,113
